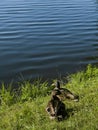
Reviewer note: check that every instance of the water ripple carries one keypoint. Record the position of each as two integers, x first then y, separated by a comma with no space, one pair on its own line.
47,38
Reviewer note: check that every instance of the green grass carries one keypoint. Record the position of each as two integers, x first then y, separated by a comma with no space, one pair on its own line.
24,109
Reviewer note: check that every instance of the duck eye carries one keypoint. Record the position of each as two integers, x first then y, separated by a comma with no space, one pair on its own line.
48,109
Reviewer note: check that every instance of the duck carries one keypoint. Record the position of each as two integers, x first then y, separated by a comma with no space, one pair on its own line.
56,108
63,93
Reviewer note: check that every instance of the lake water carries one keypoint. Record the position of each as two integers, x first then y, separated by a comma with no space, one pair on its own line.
47,38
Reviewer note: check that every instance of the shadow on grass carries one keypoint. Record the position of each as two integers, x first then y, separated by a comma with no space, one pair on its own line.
66,114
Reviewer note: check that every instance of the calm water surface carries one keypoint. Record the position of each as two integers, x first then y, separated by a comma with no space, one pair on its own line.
47,38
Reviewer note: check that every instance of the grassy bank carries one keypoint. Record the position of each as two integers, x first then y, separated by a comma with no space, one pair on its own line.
24,109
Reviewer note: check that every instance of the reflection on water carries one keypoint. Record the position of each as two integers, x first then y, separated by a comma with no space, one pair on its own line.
47,38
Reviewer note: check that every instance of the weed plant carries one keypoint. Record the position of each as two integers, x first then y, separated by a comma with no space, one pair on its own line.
25,110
